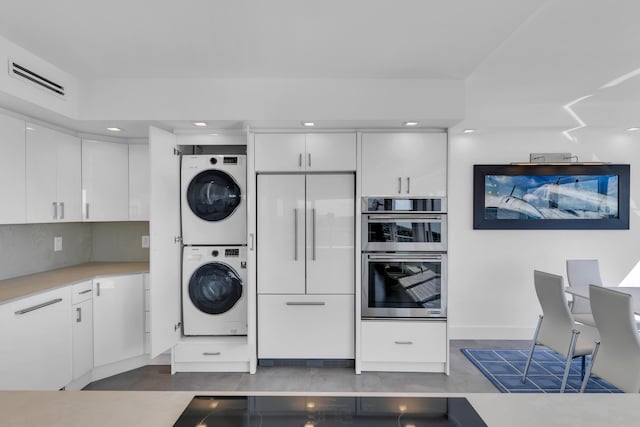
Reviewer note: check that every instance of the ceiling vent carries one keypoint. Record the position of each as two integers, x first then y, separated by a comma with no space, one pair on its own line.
28,76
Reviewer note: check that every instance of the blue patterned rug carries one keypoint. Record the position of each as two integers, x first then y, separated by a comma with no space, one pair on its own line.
504,369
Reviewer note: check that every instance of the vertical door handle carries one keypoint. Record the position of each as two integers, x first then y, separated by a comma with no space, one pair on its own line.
98,289
86,210
78,314
313,234
55,210
61,210
295,234
309,155
408,184
399,185
251,240
299,160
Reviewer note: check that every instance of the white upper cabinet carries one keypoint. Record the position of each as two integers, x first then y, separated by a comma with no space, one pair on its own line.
139,182
305,153
53,176
105,181
12,170
404,164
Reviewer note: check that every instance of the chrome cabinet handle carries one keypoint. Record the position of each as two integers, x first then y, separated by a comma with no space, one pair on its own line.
36,307
98,289
313,234
299,160
408,184
85,292
399,185
55,210
78,314
305,303
61,210
86,210
207,353
295,234
403,256
404,342
251,240
309,155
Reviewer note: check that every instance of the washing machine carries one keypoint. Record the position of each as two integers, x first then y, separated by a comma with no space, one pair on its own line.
213,199
214,294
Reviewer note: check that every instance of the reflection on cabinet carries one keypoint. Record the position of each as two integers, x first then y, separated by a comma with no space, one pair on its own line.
82,328
138,182
36,336
404,164
318,152
12,170
118,318
53,168
306,264
105,181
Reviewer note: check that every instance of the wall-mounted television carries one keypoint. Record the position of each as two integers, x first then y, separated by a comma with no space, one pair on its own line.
551,196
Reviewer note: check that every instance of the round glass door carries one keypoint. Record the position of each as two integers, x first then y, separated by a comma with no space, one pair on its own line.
214,288
213,195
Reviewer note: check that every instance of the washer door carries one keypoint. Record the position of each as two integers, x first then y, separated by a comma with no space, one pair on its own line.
213,195
214,288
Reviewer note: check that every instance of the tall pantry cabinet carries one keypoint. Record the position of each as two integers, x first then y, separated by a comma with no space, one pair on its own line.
305,251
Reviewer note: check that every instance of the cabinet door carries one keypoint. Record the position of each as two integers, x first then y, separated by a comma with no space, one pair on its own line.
330,234
12,170
118,318
138,182
331,152
404,164
42,174
38,344
69,183
82,335
281,234
280,152
105,181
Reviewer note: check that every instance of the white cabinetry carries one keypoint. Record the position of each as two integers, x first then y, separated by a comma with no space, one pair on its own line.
82,328
12,170
36,336
306,264
389,345
139,182
310,152
404,164
105,181
118,318
53,171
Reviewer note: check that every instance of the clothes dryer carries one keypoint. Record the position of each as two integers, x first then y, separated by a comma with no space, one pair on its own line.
214,295
213,203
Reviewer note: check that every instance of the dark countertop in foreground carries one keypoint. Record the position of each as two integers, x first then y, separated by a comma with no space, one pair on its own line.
19,287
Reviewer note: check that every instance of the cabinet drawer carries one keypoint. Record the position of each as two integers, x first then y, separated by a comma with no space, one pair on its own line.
404,341
221,351
306,326
82,291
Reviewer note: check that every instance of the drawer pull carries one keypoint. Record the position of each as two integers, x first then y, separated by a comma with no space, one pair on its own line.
36,307
404,342
206,353
85,292
305,303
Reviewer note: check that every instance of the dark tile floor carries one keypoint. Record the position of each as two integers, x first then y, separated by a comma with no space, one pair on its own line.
463,378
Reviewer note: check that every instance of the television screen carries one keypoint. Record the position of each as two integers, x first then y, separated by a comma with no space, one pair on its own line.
551,196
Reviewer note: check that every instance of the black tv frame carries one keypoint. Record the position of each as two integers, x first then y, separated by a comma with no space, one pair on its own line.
620,223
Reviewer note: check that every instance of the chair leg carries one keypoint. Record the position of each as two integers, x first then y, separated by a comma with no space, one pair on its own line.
567,367
533,346
585,380
584,358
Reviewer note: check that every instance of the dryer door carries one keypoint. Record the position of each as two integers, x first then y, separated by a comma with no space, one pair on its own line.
214,288
213,195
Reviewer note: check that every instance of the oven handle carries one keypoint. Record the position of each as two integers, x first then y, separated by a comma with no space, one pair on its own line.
403,257
403,217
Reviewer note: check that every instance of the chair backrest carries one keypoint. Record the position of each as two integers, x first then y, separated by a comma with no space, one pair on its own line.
618,358
557,323
580,274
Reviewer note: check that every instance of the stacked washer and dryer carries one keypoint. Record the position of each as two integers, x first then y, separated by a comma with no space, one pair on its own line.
214,270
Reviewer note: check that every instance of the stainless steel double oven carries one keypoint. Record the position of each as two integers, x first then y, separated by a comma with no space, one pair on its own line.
404,257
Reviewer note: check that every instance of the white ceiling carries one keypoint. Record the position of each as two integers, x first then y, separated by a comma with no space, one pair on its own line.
515,55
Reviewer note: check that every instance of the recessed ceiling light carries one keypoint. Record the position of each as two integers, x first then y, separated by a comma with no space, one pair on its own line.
410,123
632,129
214,134
114,129
468,131
29,128
200,124
308,124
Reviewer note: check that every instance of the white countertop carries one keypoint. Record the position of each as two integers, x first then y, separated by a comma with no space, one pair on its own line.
162,408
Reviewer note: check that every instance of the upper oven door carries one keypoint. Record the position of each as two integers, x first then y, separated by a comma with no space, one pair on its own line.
404,232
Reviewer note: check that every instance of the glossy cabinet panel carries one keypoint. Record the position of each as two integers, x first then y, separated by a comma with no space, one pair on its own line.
12,170
139,182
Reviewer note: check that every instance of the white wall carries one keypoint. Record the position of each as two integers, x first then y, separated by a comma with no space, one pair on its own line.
491,293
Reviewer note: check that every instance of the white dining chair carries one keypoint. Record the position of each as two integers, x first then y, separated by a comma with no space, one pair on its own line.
580,274
616,355
556,327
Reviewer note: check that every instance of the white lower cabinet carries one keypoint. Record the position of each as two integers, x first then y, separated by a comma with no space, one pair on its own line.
118,318
223,350
306,326
36,336
82,328
404,345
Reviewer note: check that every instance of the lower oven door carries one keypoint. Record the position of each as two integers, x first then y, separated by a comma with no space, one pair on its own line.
404,232
404,285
